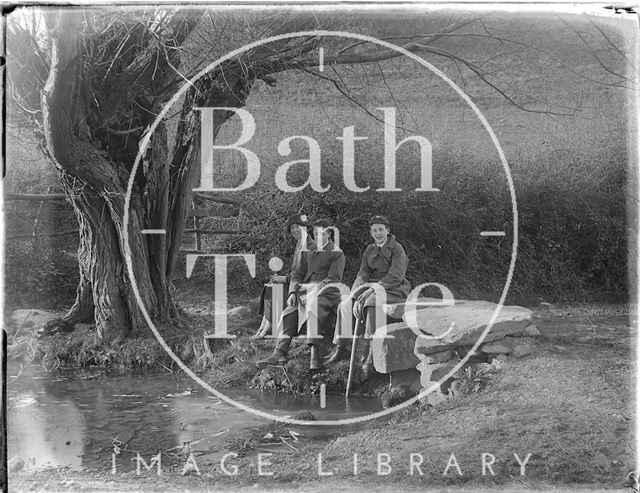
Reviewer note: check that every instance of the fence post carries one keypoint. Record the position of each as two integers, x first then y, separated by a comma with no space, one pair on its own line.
196,226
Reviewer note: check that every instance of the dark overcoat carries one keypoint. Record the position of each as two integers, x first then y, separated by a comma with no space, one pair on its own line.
266,297
298,254
386,266
320,267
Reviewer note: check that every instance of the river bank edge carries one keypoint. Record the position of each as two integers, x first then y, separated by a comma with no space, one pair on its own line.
222,364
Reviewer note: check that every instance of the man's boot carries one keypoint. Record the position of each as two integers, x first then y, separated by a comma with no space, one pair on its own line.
339,353
279,356
276,359
316,362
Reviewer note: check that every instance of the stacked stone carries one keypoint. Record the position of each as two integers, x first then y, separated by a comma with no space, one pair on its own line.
426,348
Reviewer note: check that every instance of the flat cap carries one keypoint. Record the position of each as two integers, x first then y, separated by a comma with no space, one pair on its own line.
322,223
379,220
300,219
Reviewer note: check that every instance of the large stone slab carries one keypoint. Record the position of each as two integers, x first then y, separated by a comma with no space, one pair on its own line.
393,348
464,323
397,310
398,354
443,327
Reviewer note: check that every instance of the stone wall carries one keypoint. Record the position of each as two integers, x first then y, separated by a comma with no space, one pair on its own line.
428,350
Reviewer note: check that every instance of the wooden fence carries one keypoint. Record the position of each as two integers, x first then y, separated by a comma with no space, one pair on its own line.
226,208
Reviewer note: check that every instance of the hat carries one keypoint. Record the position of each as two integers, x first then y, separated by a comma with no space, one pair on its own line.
300,219
321,223
379,220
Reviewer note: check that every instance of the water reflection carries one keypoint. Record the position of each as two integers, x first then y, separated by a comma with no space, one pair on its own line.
45,431
73,422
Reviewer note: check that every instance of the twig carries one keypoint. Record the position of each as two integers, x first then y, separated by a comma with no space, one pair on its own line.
288,444
287,377
125,132
13,340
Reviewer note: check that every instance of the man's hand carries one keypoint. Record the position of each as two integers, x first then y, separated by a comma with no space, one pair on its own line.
292,300
306,290
363,297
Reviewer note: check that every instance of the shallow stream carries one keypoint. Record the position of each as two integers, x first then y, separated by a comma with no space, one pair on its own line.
73,420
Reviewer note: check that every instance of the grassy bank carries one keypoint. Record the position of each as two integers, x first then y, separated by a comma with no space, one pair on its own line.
223,364
79,349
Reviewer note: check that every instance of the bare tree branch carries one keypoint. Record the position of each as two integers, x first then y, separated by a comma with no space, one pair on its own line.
593,53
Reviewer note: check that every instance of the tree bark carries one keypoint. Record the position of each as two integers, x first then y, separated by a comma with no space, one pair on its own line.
97,193
78,141
156,202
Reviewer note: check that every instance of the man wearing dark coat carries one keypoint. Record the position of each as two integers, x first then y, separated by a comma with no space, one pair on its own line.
384,263
297,227
310,302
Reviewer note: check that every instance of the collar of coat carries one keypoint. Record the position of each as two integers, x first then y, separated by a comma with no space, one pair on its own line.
311,244
328,247
388,246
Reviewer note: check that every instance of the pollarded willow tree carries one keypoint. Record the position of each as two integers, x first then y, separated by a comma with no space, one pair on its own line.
91,82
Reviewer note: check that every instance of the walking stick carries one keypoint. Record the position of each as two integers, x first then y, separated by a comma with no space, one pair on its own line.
352,360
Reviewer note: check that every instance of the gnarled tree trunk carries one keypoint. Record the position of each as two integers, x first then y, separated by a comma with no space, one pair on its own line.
96,183
97,191
95,160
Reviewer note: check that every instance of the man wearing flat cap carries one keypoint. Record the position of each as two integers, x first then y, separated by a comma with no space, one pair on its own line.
384,262
308,301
